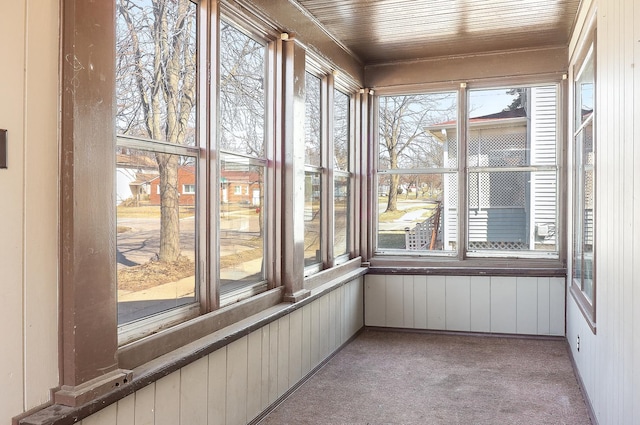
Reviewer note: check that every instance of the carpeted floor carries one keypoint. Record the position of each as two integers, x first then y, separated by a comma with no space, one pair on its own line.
416,378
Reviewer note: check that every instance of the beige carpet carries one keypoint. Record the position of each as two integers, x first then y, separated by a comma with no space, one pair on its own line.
416,378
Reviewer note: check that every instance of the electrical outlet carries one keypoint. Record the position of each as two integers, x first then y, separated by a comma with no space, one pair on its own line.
578,343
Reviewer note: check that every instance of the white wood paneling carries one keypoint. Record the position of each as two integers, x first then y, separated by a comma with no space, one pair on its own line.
126,410
323,337
544,305
295,347
265,381
458,303
145,405
469,304
306,340
254,374
557,296
236,407
527,305
333,313
608,361
407,302
193,393
394,305
436,302
315,333
283,355
503,305
340,303
167,404
375,300
420,302
480,304
217,388
273,361
358,302
106,416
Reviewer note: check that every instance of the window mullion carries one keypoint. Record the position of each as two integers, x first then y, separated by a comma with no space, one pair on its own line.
463,116
327,152
293,156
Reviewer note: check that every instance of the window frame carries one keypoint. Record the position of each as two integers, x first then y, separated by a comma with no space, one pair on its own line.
587,52
463,258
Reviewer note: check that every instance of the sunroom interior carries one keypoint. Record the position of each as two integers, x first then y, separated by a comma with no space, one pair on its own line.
206,200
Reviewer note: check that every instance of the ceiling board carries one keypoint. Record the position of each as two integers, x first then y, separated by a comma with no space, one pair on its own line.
380,31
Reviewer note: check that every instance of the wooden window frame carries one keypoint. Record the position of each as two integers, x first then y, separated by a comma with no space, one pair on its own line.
463,257
586,52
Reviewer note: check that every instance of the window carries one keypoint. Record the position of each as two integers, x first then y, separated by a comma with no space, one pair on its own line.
341,173
506,157
156,249
243,145
313,171
158,145
584,160
512,171
417,173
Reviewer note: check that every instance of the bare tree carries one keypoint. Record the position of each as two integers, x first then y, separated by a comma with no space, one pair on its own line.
404,142
156,91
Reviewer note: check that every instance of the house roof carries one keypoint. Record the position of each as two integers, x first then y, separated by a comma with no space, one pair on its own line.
497,119
135,161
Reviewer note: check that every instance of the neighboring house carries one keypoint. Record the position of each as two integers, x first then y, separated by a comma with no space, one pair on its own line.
508,210
186,187
133,176
236,187
240,187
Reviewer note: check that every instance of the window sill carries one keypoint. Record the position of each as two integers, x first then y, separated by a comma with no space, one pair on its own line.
468,267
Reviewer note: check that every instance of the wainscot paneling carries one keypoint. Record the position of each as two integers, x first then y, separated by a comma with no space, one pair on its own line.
236,383
508,305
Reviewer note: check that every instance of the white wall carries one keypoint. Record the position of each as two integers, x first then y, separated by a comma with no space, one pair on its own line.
507,305
234,384
28,207
609,361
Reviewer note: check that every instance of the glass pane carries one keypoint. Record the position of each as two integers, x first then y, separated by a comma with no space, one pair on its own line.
156,70
584,86
414,218
312,228
242,223
512,127
242,92
155,249
586,207
341,216
312,120
341,131
512,211
417,131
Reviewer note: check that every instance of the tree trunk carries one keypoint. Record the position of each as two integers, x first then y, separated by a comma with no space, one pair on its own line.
169,208
392,202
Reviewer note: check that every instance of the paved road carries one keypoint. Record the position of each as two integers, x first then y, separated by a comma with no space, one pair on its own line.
142,242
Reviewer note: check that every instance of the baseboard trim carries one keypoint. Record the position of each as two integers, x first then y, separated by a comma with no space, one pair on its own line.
585,395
